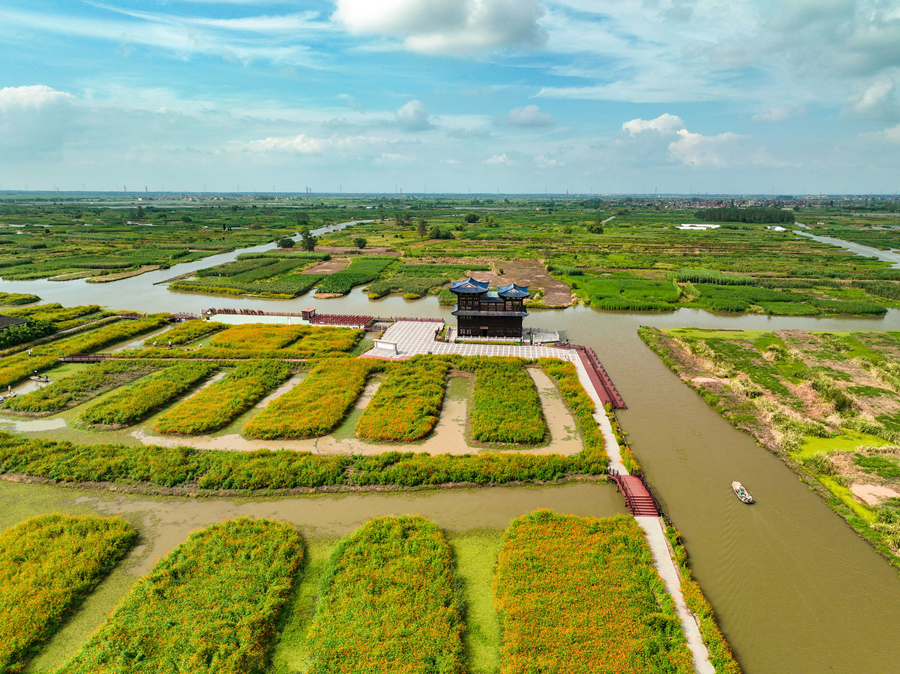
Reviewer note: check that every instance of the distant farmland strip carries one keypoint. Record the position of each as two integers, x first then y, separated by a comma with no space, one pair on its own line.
581,595
218,404
389,603
209,607
47,564
408,404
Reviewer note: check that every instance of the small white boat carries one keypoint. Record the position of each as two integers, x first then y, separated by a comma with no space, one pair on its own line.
741,492
44,379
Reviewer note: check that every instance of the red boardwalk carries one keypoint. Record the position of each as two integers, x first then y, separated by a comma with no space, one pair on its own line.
600,379
638,499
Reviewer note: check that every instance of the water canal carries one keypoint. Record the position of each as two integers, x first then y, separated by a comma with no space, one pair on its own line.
796,590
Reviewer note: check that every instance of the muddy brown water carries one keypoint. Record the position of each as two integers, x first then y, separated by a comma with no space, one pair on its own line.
796,590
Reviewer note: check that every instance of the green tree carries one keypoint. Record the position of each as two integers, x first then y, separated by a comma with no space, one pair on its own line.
303,219
186,218
307,240
286,242
422,227
359,242
471,217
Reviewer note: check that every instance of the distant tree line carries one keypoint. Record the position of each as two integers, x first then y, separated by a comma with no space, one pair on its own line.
755,215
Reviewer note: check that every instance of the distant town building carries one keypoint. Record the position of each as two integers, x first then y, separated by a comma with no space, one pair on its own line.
483,313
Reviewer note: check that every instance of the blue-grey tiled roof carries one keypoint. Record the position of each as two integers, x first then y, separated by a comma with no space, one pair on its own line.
513,291
469,286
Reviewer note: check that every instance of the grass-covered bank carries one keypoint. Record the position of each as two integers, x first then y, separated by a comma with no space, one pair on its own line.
827,404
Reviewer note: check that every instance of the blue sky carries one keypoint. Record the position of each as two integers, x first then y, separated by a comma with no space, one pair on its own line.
520,96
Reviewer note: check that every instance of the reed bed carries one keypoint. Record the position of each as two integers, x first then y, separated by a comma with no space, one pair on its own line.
569,585
389,603
217,405
209,606
408,404
138,400
47,565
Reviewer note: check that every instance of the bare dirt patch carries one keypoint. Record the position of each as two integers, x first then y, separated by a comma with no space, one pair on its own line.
328,266
872,494
529,273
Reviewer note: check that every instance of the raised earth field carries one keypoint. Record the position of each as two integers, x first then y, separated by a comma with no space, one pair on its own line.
827,403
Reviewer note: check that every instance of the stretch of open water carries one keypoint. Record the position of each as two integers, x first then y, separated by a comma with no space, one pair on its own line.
796,590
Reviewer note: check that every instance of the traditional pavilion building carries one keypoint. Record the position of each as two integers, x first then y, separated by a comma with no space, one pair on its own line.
483,313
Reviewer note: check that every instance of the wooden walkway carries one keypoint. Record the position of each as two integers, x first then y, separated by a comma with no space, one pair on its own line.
638,498
599,378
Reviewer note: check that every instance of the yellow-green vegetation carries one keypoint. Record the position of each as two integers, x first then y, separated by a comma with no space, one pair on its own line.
190,331
136,401
47,565
828,403
15,299
389,603
506,408
315,406
217,405
17,367
209,606
258,336
567,585
408,404
77,388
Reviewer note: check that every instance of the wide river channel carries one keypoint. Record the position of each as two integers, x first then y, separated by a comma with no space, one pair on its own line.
796,590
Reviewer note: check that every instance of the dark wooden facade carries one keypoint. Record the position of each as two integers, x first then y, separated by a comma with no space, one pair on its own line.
483,313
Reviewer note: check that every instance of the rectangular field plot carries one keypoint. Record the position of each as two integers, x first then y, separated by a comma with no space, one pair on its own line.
218,404
79,387
506,408
317,405
258,336
137,401
408,404
580,594
209,606
389,603
47,564
190,331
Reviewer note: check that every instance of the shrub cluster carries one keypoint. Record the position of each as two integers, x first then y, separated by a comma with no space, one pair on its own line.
25,332
217,405
565,582
389,603
317,405
408,404
47,565
209,606
136,401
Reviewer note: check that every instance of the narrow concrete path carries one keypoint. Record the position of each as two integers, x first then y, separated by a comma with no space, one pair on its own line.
656,537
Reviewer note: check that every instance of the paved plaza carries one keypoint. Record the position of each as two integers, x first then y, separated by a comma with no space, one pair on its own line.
415,337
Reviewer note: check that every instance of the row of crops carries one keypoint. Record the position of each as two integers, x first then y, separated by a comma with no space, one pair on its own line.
717,291
282,274
574,594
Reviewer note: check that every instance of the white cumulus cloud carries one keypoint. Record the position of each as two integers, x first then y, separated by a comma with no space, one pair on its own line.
303,144
498,160
777,114
413,116
695,149
529,116
451,27
664,124
32,97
